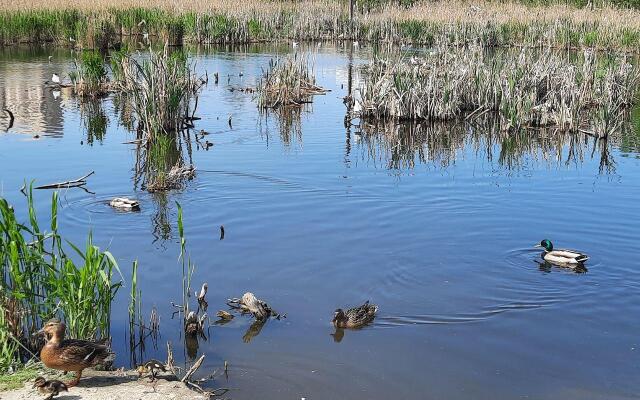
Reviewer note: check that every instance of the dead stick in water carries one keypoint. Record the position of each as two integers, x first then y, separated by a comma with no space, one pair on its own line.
192,370
73,183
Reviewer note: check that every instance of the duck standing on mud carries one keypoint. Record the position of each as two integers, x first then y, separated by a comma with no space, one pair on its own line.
71,354
355,317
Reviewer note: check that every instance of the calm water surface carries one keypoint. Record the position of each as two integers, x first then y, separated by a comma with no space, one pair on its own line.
434,224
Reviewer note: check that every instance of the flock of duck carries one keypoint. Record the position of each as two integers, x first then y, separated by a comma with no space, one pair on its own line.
73,355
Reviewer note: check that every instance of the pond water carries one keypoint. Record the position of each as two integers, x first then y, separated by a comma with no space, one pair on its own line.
435,224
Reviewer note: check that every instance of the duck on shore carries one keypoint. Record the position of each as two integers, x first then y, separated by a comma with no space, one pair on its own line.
52,387
71,354
561,257
355,317
151,366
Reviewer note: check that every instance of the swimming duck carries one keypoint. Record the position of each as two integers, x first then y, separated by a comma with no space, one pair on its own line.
124,203
563,257
71,354
355,317
151,366
52,387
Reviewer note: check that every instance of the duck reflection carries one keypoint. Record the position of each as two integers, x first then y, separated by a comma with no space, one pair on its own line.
253,330
338,335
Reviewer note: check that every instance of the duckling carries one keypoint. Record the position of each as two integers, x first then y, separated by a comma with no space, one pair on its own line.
71,354
151,366
52,387
355,317
562,257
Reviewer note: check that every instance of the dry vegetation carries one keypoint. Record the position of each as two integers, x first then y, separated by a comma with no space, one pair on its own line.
526,88
288,81
93,24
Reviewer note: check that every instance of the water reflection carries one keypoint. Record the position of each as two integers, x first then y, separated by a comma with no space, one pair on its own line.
288,121
95,120
400,146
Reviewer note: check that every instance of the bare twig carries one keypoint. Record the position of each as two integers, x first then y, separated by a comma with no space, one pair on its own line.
67,184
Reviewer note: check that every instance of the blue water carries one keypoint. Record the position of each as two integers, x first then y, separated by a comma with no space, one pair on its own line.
436,227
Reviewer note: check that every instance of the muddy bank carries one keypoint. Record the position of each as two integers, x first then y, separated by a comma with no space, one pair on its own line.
98,385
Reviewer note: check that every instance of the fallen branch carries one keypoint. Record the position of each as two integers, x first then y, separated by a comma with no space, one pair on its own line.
193,369
67,184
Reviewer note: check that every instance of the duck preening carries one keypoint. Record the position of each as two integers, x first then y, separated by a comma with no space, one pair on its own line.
355,317
562,257
71,354
52,387
151,366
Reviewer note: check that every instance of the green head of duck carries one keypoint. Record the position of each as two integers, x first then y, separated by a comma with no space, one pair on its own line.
546,245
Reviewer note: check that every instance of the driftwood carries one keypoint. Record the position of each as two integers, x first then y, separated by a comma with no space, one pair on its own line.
193,369
67,184
249,303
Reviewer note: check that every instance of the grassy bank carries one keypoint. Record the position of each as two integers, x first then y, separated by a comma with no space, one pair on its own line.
43,276
83,23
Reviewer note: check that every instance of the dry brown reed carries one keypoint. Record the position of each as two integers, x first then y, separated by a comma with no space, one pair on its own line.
288,81
526,88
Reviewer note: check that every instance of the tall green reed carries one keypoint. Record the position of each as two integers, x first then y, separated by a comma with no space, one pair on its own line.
43,275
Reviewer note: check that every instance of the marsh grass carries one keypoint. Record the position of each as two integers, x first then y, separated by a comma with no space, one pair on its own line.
162,90
525,89
90,76
43,276
106,23
288,81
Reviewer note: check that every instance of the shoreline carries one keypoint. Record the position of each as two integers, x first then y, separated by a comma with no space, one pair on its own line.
112,385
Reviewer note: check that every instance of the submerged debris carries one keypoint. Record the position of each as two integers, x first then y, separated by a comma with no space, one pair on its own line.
223,315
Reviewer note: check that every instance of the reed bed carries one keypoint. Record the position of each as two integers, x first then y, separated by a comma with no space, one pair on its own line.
288,81
98,24
161,90
90,76
42,276
526,89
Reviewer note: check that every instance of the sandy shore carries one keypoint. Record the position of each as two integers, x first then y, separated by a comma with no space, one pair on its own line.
96,385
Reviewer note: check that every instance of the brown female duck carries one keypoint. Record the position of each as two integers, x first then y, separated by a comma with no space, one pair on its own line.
52,387
71,354
355,317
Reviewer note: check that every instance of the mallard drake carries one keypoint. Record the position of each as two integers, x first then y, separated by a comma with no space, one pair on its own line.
355,317
52,387
123,203
71,354
151,366
563,257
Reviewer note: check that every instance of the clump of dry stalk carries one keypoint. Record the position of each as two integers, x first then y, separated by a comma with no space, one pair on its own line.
288,82
526,89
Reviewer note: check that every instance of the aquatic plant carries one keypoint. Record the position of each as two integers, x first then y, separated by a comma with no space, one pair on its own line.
90,75
160,89
288,81
526,88
40,279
